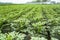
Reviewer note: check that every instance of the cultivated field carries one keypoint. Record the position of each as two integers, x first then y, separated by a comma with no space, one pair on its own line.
32,18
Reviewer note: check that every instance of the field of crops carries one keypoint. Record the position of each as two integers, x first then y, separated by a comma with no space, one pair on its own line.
31,18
